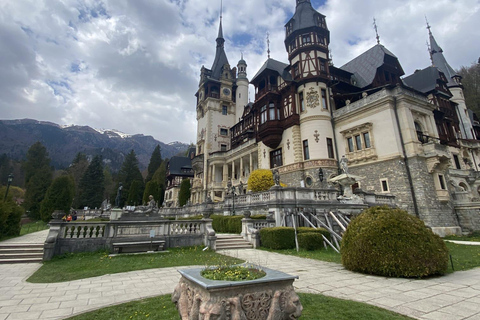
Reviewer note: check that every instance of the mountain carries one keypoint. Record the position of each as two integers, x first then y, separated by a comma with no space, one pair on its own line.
64,142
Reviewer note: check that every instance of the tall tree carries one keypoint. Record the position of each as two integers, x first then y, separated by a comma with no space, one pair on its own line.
134,196
109,184
471,84
92,184
159,177
38,176
155,162
129,173
59,196
77,170
184,193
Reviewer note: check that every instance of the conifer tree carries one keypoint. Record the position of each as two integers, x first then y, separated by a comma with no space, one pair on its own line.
134,195
152,188
159,177
184,193
129,173
155,162
38,176
92,185
77,170
59,196
109,184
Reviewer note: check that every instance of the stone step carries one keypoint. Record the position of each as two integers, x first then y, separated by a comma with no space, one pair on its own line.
234,246
21,260
21,253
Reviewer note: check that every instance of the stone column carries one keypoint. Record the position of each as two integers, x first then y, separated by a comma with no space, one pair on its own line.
233,170
241,168
251,163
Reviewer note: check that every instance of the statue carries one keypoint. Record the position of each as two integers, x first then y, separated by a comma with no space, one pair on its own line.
119,195
240,188
276,177
344,164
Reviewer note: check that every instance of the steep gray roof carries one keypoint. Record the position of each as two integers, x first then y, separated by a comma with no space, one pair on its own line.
364,67
220,56
176,164
277,66
423,80
440,62
304,16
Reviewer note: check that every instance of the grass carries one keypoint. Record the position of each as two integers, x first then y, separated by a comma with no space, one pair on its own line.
74,266
33,226
314,305
328,255
464,257
474,236
27,228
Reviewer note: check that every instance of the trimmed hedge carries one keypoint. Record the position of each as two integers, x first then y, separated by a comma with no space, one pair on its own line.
310,240
278,238
227,224
391,242
284,237
260,180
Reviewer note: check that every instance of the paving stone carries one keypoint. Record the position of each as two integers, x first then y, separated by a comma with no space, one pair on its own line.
437,315
44,306
57,313
25,315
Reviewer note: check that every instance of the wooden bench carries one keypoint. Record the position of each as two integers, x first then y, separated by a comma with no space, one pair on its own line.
138,246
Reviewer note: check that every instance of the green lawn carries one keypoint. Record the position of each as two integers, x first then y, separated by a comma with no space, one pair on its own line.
75,266
315,306
464,257
27,228
328,255
475,236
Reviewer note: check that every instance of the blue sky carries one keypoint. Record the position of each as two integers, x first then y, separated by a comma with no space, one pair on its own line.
134,66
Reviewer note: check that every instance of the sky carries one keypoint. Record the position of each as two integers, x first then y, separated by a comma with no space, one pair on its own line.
134,65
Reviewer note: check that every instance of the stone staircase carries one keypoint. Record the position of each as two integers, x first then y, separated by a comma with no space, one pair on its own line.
232,241
21,253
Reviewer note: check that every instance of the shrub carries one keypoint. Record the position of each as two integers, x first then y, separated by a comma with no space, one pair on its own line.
310,240
278,238
227,224
258,217
260,180
10,216
321,231
391,242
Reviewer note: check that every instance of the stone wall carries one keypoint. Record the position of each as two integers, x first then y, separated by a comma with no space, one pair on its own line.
432,211
469,217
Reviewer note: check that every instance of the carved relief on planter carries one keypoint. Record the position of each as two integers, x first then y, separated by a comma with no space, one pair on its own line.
268,298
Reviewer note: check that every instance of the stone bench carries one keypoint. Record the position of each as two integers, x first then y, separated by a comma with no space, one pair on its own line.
138,246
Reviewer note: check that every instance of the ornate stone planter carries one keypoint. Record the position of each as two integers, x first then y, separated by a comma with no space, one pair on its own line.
269,298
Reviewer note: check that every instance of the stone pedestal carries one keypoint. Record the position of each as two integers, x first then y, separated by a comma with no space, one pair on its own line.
269,298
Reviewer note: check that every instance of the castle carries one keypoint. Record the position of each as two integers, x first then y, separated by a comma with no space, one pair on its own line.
411,137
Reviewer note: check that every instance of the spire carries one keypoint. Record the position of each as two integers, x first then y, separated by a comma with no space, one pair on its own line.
268,44
376,30
439,61
220,56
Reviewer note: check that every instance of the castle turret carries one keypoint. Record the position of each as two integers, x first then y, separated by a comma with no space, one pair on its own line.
242,87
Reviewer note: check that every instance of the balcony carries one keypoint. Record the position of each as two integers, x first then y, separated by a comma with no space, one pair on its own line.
270,133
436,155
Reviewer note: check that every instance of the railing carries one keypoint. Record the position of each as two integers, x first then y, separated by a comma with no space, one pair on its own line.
82,230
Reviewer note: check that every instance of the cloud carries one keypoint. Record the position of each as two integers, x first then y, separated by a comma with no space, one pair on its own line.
134,66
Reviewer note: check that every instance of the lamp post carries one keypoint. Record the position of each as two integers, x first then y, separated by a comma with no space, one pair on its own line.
9,181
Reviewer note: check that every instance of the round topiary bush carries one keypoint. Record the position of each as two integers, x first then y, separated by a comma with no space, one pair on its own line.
391,242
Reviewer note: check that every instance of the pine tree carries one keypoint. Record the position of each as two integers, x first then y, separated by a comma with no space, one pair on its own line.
134,195
109,184
77,170
129,173
159,177
152,188
38,176
59,196
92,185
155,162
184,193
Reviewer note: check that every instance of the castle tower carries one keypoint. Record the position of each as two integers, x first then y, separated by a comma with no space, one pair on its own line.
306,41
454,85
216,114
242,87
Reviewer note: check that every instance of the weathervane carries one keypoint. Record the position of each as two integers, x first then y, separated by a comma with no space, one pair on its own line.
221,10
268,44
376,30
